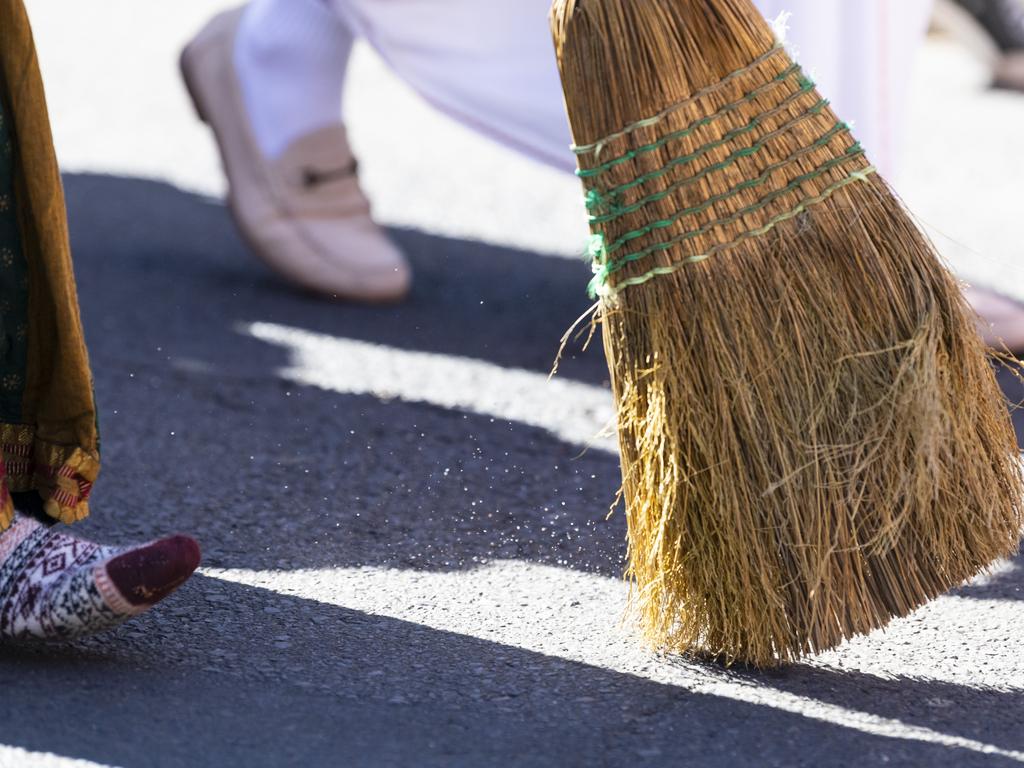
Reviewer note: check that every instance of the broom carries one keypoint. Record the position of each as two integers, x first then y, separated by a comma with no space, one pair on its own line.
813,441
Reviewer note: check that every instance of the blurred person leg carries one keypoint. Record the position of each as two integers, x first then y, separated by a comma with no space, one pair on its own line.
268,80
291,59
269,77
491,66
52,585
994,30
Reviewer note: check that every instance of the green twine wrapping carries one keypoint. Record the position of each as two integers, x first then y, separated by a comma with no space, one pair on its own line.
595,198
600,286
805,87
654,226
647,122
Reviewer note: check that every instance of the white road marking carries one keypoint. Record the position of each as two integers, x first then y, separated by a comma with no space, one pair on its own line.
15,757
574,616
575,412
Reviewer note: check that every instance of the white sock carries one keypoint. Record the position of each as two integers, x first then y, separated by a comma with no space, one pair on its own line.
291,57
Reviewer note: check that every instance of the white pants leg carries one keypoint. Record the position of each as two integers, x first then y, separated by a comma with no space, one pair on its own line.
487,63
490,63
291,57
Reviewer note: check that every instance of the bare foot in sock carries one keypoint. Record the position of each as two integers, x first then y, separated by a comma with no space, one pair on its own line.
54,586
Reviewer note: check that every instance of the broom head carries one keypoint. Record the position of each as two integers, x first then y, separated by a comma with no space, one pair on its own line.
812,438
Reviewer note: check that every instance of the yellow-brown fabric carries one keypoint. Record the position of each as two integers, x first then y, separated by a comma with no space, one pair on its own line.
54,449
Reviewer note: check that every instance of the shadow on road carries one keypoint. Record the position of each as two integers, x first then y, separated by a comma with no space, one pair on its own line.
200,429
201,434
257,678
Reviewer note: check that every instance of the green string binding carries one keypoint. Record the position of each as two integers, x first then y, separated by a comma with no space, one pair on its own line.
764,178
805,85
616,211
600,285
607,205
597,146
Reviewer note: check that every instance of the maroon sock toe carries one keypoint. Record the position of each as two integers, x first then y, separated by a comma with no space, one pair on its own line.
147,575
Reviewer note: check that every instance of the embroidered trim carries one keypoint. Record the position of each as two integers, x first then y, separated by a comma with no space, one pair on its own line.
63,475
6,503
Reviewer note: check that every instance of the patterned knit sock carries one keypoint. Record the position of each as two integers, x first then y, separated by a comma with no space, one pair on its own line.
55,587
291,57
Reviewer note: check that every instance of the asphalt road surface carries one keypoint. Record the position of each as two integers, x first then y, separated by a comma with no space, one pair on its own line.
408,559
394,578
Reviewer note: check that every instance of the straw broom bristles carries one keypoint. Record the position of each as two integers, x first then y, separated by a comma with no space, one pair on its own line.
812,438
